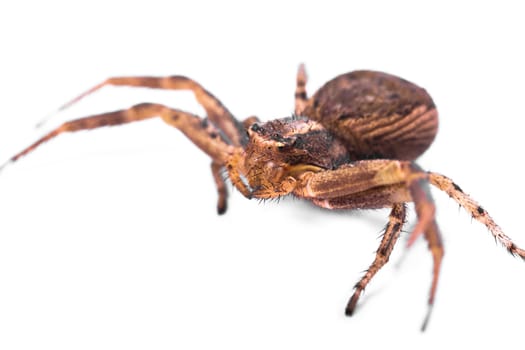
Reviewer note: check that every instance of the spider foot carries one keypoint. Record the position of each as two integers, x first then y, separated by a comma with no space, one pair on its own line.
352,303
427,317
221,206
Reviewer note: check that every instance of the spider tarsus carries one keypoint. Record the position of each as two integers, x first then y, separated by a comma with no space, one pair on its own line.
221,209
427,317
349,312
350,307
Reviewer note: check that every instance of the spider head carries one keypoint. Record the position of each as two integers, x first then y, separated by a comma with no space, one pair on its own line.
280,151
266,166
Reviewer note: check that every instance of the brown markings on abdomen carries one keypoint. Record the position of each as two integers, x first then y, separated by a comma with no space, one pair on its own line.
377,115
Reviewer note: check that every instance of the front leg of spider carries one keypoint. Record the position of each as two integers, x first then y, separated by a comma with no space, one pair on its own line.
219,135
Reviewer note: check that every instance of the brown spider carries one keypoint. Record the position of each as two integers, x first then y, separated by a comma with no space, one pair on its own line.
351,145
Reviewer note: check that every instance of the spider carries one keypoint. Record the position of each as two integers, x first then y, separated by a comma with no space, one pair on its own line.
352,145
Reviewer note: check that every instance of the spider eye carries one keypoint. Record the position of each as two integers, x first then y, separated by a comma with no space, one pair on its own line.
299,142
255,127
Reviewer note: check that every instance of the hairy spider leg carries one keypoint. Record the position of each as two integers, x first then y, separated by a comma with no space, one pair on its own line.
385,196
301,97
203,134
392,232
232,130
477,211
381,183
215,110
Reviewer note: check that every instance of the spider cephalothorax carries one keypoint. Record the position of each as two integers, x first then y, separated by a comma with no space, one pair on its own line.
279,151
353,146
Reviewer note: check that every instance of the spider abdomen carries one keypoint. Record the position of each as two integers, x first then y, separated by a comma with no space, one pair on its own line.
377,115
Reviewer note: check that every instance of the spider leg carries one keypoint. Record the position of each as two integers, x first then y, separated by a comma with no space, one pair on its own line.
427,225
392,232
377,184
301,97
477,211
202,133
352,179
232,130
222,190
215,110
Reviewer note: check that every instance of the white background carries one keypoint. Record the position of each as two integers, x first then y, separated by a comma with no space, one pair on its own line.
110,240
